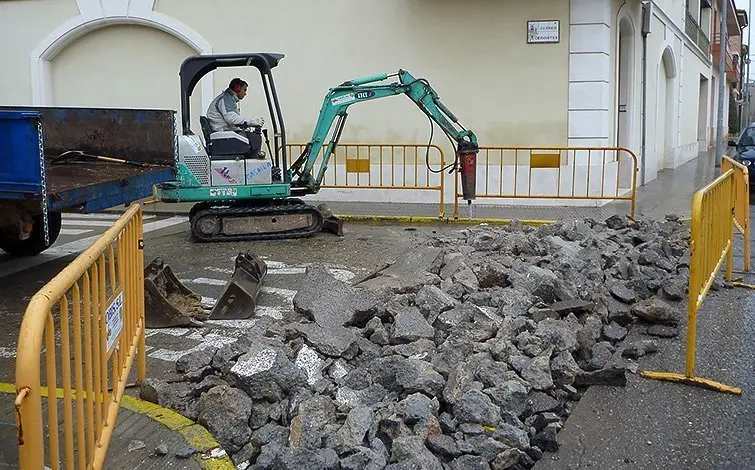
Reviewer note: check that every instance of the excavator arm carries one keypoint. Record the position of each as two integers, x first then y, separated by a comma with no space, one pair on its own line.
333,112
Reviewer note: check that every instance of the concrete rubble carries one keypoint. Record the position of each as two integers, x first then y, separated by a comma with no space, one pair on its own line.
469,351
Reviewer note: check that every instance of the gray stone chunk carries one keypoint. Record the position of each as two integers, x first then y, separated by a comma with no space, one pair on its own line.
476,407
600,354
512,436
410,325
614,332
417,407
307,427
410,272
333,341
432,301
225,411
332,303
265,373
655,310
640,348
352,434
557,333
363,458
506,459
469,462
623,293
412,450
415,375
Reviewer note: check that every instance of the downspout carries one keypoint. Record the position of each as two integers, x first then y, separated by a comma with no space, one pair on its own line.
646,14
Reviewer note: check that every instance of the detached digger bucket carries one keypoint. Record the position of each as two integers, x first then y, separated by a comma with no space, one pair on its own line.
167,302
239,299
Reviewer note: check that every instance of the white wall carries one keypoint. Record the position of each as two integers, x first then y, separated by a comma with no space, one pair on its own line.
473,53
672,103
23,25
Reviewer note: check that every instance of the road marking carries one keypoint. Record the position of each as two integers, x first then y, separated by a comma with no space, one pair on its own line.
97,215
14,265
210,340
87,223
204,280
73,231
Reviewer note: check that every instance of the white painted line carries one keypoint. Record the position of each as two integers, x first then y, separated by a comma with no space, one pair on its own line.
237,324
98,215
273,312
158,224
87,223
73,231
220,270
14,265
285,293
7,353
175,331
285,271
204,280
173,356
213,340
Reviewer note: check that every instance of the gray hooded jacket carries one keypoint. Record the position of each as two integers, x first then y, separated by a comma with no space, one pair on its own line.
224,114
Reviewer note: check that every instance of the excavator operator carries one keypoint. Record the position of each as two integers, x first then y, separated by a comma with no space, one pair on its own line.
224,113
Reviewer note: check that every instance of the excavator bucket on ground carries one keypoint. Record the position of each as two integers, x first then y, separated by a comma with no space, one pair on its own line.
167,302
239,299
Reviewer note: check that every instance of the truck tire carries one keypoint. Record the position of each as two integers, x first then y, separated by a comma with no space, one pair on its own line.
35,244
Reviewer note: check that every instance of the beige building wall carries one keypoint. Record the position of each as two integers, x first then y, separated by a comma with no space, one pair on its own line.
474,54
23,25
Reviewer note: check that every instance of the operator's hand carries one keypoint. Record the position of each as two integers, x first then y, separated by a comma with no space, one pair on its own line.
257,122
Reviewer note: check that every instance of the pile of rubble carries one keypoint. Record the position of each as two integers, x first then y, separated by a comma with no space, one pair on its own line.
468,352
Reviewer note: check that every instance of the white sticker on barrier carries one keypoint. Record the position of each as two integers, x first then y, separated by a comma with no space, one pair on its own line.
114,320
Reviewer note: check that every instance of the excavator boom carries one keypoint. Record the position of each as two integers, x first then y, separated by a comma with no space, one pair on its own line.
333,112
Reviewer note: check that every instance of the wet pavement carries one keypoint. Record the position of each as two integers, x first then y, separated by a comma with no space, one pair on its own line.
660,424
648,424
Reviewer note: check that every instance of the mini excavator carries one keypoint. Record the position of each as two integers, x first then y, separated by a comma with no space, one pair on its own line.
242,193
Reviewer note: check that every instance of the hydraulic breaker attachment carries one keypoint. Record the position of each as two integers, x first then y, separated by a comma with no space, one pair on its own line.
239,299
167,302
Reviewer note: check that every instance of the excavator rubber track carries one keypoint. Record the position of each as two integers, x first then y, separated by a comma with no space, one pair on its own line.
249,220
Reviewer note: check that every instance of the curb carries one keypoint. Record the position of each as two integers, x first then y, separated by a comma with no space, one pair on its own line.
419,219
211,455
404,219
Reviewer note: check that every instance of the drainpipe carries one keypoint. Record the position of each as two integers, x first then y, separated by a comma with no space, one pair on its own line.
646,15
722,37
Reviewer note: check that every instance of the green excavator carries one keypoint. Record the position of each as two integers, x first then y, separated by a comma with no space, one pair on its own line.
242,193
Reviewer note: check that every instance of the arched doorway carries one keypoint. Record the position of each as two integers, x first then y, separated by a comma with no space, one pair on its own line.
624,93
121,66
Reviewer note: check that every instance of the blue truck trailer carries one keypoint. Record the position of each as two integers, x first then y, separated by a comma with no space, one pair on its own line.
82,160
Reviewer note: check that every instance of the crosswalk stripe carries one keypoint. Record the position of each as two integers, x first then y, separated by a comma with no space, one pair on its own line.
98,215
13,266
73,231
87,223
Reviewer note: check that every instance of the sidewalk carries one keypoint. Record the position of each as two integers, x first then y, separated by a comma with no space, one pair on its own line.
140,428
658,424
670,192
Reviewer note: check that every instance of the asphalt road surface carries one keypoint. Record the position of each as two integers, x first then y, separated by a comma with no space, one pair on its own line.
204,268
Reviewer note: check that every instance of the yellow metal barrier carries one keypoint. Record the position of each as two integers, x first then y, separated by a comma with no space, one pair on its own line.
96,305
383,166
710,244
741,202
586,173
